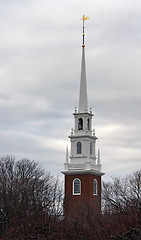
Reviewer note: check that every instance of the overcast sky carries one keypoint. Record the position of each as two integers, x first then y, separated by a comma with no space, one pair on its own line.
40,59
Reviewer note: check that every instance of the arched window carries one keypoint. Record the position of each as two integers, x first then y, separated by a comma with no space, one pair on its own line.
80,124
88,124
79,148
94,187
91,148
76,186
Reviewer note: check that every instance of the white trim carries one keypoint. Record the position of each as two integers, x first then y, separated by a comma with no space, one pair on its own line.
80,148
95,186
74,172
91,148
80,124
80,186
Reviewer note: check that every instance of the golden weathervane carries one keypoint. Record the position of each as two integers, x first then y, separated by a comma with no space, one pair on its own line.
83,19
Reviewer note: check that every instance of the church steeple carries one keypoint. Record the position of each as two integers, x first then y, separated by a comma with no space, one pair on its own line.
83,139
82,168
83,101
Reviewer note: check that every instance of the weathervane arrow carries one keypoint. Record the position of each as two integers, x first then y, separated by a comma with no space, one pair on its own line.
83,19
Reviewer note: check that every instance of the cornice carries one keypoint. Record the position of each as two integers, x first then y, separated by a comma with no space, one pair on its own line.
78,172
83,113
83,136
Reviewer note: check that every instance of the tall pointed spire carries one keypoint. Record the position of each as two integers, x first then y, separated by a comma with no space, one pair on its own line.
83,101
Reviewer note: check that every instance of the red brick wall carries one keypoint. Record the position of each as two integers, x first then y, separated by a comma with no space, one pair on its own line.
86,199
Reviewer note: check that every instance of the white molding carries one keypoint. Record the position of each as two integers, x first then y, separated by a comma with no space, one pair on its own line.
73,186
95,194
77,172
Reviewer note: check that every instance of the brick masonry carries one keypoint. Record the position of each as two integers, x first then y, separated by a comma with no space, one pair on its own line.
75,203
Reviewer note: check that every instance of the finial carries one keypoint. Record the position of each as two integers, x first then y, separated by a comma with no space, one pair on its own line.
83,34
67,155
72,131
98,161
93,132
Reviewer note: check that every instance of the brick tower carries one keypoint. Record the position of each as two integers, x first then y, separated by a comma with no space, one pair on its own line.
82,169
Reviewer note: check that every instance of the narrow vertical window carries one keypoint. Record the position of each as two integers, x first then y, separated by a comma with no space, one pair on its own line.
91,148
88,124
80,124
76,186
79,148
94,187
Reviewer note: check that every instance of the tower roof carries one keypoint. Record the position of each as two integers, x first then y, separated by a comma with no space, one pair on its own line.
83,100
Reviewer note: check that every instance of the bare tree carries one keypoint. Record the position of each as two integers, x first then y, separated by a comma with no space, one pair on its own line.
122,193
27,191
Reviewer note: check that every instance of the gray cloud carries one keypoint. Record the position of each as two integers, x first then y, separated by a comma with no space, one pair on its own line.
40,59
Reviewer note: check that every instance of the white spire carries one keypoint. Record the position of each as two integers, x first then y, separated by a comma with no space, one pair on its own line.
83,102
